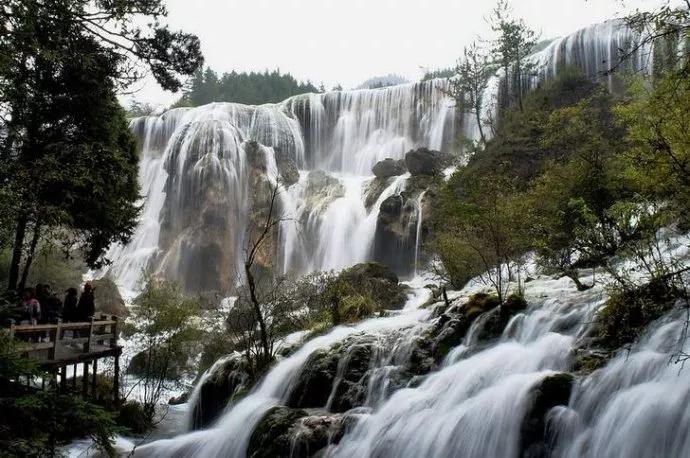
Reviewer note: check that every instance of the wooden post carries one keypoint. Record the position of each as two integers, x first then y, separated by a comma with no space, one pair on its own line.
56,340
87,345
94,379
74,377
115,330
12,325
85,381
116,381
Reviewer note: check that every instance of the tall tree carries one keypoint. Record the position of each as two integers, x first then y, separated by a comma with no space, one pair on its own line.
68,158
514,42
468,85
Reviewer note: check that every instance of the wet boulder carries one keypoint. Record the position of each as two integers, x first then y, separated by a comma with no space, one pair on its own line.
377,281
351,387
424,161
388,168
553,390
289,173
314,433
499,319
228,379
314,384
454,323
272,437
287,432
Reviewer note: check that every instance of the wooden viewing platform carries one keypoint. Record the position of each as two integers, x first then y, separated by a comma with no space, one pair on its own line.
57,346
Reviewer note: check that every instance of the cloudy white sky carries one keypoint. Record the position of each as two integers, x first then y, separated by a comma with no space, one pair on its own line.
349,41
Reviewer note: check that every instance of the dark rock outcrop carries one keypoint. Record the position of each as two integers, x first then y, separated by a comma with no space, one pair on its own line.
550,392
396,231
378,282
286,432
389,168
289,173
424,161
228,380
272,437
315,381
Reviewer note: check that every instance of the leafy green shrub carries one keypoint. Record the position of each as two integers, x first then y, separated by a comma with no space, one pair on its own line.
628,311
133,418
355,307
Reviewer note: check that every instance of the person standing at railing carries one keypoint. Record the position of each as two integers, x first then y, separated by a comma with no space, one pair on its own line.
31,308
87,304
69,308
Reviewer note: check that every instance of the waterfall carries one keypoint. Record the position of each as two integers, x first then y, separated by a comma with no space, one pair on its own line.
474,402
418,232
197,174
274,390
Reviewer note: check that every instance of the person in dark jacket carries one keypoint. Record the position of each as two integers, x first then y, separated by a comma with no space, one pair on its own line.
87,303
69,308
52,305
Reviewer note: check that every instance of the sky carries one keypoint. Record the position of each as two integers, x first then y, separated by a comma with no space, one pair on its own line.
348,41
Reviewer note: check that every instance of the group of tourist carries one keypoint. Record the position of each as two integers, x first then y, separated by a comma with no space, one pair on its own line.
41,305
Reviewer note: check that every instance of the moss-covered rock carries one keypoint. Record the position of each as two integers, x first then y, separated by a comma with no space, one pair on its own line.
351,389
497,322
315,381
229,379
286,432
378,282
272,437
628,312
553,390
314,433
454,322
585,361
388,168
423,161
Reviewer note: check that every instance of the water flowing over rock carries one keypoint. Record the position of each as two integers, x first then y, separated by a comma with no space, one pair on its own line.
204,170
389,168
426,162
471,377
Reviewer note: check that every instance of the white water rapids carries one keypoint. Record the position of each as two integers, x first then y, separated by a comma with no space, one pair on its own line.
475,403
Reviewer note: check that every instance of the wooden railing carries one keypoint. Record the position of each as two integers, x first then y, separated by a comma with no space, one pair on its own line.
95,336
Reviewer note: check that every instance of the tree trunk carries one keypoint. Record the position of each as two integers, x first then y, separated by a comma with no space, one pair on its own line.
19,234
30,256
478,114
572,274
258,313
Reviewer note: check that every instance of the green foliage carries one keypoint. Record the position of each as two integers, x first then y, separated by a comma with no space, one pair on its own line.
36,423
248,88
439,73
133,418
50,266
514,42
69,168
355,307
658,122
625,314
167,324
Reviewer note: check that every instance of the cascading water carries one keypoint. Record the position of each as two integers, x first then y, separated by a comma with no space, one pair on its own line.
476,402
275,389
197,177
